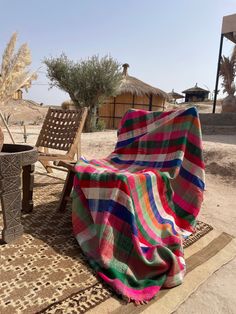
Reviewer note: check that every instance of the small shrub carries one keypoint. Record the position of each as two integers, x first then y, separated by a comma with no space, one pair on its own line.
67,104
38,120
101,125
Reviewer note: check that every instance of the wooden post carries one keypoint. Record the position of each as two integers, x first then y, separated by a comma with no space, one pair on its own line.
163,105
150,103
217,73
114,112
25,134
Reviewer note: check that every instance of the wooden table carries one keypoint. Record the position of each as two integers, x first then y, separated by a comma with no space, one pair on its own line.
16,160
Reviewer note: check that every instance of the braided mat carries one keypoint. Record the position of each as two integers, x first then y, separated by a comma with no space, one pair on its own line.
44,271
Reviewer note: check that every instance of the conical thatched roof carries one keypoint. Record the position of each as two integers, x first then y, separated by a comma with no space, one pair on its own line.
195,89
174,95
130,84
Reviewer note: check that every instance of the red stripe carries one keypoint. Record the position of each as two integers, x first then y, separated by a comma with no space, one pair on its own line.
174,121
105,218
141,124
194,159
150,150
109,184
78,225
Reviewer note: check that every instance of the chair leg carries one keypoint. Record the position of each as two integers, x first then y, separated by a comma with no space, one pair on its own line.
28,183
47,165
66,191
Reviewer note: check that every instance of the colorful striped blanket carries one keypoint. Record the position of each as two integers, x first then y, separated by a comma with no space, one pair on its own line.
132,209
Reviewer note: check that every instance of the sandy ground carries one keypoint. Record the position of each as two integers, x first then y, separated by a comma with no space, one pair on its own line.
217,294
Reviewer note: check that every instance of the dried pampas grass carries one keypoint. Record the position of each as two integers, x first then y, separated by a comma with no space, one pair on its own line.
14,73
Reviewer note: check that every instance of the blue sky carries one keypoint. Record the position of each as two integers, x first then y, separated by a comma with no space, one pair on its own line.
168,44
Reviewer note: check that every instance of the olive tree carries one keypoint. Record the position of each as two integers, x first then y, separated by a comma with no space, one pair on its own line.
87,81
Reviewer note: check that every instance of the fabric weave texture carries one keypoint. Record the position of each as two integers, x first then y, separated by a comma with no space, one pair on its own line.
132,209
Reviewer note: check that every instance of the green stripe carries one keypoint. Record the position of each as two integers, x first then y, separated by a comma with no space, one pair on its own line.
129,281
161,233
133,121
101,177
160,144
169,143
176,209
183,214
194,150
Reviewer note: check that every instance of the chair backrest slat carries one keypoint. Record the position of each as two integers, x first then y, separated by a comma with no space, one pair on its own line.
61,128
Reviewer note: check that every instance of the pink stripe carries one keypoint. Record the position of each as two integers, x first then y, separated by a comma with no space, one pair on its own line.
87,168
165,135
143,294
113,222
162,241
185,205
138,210
78,225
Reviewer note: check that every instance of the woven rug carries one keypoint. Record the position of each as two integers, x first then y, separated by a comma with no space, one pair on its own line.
44,271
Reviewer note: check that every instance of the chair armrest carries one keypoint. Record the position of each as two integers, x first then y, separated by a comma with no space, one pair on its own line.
68,165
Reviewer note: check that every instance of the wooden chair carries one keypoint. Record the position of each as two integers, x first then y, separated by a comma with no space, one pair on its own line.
61,130
65,195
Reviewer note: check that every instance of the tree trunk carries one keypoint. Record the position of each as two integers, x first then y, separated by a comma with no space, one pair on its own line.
91,120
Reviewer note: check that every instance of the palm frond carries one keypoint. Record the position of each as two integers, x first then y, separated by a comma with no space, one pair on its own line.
228,72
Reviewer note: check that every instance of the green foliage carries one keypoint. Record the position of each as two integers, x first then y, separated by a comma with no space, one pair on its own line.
87,82
60,71
101,125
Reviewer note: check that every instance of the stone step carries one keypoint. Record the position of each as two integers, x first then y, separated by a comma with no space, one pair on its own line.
221,129
218,119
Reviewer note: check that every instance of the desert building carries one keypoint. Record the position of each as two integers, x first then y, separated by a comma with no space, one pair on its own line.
173,96
18,95
196,94
132,93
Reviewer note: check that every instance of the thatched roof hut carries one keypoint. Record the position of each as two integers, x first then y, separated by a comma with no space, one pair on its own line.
173,96
196,94
130,84
132,93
